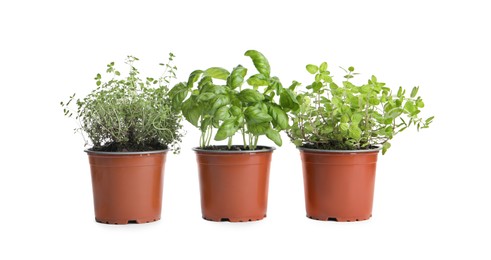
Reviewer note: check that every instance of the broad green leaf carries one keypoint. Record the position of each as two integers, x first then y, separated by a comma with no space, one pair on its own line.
344,119
219,101
257,80
274,136
316,86
260,62
255,115
288,100
258,128
356,118
325,77
177,94
217,73
235,110
191,111
312,69
414,92
323,67
351,69
193,77
206,96
373,101
279,116
420,103
236,78
250,95
344,126
222,113
227,129
354,131
385,147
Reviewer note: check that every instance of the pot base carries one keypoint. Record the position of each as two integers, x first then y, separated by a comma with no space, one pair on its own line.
126,221
339,219
240,219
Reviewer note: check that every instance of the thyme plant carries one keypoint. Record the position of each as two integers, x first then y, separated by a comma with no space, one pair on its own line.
128,113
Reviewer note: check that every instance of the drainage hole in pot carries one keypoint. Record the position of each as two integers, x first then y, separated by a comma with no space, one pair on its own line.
225,219
132,221
332,219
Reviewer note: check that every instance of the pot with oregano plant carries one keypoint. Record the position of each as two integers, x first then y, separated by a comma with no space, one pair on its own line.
130,123
339,130
233,178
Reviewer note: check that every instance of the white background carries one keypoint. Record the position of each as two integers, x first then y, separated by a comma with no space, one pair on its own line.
432,189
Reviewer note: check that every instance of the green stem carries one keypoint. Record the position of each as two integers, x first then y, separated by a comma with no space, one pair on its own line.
229,142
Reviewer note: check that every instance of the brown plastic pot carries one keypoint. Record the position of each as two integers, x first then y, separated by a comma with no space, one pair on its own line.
234,184
339,184
127,187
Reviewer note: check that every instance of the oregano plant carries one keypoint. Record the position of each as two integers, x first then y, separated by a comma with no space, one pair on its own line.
128,113
345,116
222,103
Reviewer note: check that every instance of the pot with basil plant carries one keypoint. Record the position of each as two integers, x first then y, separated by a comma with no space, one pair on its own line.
339,130
233,178
130,124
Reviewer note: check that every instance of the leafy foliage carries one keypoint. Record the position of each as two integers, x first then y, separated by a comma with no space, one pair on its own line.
129,113
229,106
351,117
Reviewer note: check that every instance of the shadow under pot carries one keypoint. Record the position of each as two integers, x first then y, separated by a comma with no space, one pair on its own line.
127,186
234,184
339,185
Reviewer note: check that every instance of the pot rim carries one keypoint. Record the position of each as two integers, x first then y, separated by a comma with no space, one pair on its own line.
88,151
377,149
265,150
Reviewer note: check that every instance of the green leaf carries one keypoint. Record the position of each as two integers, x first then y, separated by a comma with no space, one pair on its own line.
356,118
279,116
409,106
260,62
274,136
420,103
354,131
222,113
227,129
206,96
250,95
294,85
98,83
219,101
217,73
316,86
351,69
193,77
429,120
258,128
255,115
236,78
323,67
312,69
344,127
288,100
235,110
385,147
191,111
258,80
117,73
414,92
177,94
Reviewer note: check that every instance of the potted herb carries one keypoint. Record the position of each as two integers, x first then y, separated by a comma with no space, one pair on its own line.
339,130
130,123
233,178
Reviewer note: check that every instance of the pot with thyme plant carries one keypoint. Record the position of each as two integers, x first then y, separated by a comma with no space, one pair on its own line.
339,130
233,178
131,125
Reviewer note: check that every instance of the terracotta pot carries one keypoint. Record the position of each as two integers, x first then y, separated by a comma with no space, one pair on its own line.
339,184
234,184
127,187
